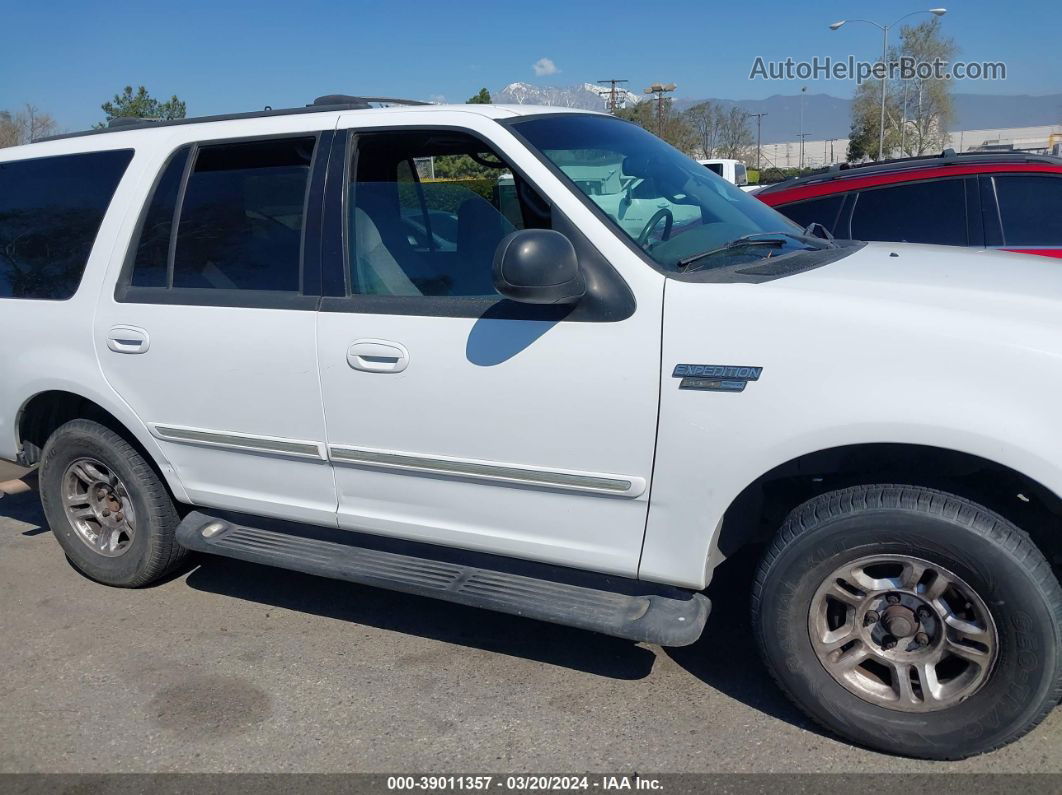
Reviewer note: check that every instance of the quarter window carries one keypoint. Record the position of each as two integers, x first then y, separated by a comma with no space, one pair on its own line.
1030,209
51,209
923,212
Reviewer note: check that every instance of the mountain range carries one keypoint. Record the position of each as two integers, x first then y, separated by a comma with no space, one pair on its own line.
824,116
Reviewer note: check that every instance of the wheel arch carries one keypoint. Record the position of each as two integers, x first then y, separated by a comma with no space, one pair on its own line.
43,413
757,512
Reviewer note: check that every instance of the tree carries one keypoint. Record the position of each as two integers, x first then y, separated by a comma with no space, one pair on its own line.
926,110
704,120
918,110
673,128
25,126
735,135
142,105
482,98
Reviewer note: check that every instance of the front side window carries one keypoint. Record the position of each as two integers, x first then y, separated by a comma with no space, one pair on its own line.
51,209
668,204
922,212
426,212
239,225
1030,209
815,211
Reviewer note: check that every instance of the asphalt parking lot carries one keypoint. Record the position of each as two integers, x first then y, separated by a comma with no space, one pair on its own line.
232,667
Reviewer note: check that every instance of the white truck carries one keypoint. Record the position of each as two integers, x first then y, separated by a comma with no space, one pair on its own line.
263,336
733,171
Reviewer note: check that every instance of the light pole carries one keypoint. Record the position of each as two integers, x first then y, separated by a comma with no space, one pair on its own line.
803,92
759,145
885,60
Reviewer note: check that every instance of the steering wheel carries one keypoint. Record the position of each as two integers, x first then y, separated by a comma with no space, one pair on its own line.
663,214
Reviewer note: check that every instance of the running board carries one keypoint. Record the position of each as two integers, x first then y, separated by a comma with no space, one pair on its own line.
624,608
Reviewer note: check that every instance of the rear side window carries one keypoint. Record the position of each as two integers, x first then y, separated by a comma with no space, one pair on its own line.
822,211
923,212
51,209
1030,210
231,220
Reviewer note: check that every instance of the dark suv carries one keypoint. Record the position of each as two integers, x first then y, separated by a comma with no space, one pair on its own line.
1010,201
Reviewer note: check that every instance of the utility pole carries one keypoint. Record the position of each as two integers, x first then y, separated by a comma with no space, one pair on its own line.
830,142
660,89
803,92
613,97
759,147
802,135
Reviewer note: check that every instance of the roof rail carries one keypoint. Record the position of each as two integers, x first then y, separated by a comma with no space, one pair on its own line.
126,121
328,102
347,99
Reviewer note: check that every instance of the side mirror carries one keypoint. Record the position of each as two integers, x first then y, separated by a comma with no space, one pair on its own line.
538,266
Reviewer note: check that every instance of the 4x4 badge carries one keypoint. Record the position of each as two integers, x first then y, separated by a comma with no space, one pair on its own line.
715,377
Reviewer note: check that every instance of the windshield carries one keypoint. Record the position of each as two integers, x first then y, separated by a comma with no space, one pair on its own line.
669,205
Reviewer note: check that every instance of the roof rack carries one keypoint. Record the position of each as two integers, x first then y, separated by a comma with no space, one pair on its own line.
328,102
947,157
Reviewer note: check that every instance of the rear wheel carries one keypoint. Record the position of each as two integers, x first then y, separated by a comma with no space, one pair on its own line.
107,507
911,621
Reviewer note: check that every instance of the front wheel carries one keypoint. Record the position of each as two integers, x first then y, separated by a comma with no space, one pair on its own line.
911,621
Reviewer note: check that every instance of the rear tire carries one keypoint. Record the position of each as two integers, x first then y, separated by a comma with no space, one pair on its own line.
979,660
107,507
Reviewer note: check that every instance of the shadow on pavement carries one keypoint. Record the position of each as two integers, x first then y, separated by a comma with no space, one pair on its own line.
726,657
413,615
24,508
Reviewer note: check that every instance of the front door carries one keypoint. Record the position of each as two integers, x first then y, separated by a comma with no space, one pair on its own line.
457,417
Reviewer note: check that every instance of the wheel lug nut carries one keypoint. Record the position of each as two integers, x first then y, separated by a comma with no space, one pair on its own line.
892,599
922,639
924,613
871,618
888,642
106,512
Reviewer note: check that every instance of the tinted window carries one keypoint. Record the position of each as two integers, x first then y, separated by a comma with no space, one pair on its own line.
716,167
823,211
1030,209
924,212
50,211
414,235
241,220
153,250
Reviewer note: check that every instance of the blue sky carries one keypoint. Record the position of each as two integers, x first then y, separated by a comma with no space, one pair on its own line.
68,57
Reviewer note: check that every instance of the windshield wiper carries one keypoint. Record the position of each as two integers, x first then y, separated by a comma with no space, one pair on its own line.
775,239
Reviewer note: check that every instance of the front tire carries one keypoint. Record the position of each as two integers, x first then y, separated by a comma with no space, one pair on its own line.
911,621
107,507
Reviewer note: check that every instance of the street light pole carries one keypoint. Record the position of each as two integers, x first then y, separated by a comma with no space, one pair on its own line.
759,146
938,12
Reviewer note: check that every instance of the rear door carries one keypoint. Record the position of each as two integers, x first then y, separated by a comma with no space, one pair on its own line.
929,211
456,417
210,332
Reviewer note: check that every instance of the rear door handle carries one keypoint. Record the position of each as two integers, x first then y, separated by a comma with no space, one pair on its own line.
128,339
377,356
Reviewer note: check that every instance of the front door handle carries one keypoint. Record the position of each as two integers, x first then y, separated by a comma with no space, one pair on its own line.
377,356
128,339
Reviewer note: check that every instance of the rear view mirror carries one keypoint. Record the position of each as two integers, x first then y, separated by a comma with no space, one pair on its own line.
538,266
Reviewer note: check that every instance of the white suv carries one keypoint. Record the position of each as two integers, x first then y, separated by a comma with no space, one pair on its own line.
423,348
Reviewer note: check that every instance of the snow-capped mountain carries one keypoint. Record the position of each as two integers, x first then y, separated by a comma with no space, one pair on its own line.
587,96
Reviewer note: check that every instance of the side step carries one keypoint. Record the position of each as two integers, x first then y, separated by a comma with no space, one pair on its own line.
623,607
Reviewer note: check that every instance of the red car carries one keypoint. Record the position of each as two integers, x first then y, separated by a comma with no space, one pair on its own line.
1010,201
